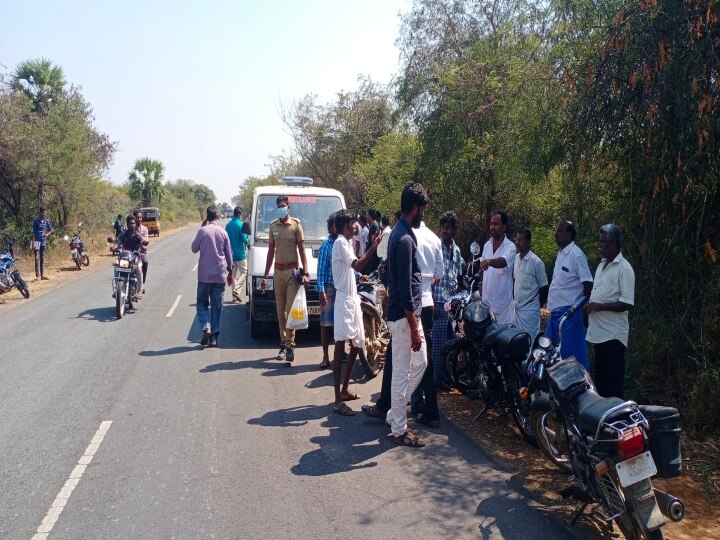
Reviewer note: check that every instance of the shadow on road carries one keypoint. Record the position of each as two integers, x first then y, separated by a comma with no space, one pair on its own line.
101,314
341,450
172,350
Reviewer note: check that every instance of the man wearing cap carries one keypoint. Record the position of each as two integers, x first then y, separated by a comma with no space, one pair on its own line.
286,243
238,243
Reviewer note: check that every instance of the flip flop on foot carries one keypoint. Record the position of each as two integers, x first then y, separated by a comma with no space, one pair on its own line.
343,410
407,439
373,411
349,395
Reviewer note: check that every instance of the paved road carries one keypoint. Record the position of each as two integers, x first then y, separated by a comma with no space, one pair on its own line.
128,429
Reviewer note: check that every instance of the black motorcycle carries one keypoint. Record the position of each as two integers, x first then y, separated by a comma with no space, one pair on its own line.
125,284
486,360
612,446
377,334
78,253
10,277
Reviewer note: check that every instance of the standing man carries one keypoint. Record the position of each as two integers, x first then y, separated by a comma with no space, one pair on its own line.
143,230
498,257
286,242
326,290
373,226
42,228
404,310
348,319
214,270
571,278
612,297
238,243
430,261
118,226
443,291
530,285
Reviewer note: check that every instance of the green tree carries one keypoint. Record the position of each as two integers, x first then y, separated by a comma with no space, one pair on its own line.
41,81
146,181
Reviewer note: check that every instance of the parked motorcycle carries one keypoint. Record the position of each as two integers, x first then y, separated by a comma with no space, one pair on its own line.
125,284
377,334
612,446
9,274
78,253
486,360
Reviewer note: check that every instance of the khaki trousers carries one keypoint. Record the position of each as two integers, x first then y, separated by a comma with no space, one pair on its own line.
239,273
286,287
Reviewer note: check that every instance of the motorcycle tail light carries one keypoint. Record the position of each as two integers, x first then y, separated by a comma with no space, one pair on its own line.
524,393
630,443
602,468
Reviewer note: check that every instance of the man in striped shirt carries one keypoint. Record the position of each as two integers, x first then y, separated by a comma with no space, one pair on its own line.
326,290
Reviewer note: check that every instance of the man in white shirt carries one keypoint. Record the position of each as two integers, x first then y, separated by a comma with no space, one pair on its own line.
430,259
571,278
348,321
612,297
498,258
530,288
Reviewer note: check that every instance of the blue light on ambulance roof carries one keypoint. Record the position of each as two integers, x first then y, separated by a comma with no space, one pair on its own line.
297,180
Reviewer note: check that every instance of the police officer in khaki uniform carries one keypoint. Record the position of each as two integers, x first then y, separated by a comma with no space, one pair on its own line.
286,242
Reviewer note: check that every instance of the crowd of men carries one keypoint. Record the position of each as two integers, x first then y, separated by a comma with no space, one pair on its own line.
422,271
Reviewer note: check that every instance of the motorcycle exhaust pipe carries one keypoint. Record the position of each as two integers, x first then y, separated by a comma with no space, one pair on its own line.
671,507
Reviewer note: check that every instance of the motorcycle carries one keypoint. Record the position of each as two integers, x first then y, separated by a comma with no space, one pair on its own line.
78,253
377,334
486,360
125,284
613,447
9,274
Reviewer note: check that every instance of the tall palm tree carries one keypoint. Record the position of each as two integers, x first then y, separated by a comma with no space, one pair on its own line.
146,181
41,81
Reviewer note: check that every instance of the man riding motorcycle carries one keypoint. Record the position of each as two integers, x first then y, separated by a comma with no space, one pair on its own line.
132,240
143,230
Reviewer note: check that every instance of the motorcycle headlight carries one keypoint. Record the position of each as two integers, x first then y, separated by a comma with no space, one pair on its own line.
258,282
124,263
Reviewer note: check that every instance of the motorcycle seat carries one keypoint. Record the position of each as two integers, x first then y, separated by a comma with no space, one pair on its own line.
492,333
591,406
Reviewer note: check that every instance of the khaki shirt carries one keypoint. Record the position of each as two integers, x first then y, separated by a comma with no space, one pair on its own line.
286,236
614,283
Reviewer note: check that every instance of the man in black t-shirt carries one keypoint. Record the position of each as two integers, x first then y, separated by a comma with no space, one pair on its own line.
373,221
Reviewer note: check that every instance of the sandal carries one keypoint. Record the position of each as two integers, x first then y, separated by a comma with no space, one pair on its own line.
325,364
373,411
343,410
350,396
407,439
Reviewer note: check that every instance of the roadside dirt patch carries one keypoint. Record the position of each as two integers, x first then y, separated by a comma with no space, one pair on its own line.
541,481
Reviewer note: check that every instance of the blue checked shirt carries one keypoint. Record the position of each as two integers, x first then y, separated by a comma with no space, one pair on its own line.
448,285
324,267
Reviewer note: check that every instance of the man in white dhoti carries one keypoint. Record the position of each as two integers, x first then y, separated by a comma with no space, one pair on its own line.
498,257
530,285
348,321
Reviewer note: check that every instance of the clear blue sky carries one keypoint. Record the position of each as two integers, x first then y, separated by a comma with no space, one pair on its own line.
197,84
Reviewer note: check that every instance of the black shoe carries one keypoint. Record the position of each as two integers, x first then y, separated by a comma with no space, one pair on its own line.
289,355
281,354
205,336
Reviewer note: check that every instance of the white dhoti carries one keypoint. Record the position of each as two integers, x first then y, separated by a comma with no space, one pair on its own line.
506,315
527,318
348,319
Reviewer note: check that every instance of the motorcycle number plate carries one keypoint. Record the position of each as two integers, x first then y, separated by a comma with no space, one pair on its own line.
313,310
636,469
73,252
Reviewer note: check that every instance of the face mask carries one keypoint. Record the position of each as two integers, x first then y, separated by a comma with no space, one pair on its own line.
282,212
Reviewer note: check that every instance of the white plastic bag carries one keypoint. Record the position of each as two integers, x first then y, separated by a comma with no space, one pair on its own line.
298,317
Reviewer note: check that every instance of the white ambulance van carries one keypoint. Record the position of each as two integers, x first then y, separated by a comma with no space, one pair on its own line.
312,206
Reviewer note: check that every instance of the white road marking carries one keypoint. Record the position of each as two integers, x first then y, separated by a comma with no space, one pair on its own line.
175,304
196,265
58,505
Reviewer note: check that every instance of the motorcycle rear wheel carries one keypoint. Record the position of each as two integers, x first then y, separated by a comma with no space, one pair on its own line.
460,370
21,285
552,440
85,259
